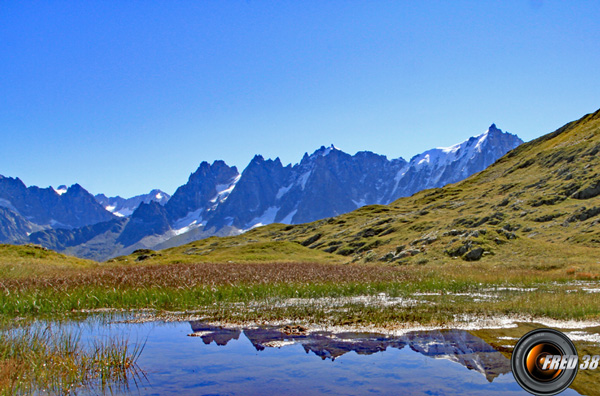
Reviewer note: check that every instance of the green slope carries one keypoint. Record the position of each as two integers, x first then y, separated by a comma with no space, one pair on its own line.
17,261
537,206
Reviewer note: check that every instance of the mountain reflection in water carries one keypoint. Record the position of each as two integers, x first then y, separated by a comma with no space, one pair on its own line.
455,345
283,361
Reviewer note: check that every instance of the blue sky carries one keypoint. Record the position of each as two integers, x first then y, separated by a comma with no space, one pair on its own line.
125,96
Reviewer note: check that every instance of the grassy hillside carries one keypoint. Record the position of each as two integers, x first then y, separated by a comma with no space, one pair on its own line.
537,207
17,261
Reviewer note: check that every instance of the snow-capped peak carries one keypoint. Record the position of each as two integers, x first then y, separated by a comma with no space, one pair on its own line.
480,140
442,156
331,148
323,151
454,148
60,190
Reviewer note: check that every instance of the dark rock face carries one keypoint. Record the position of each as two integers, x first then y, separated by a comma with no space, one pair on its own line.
253,195
337,183
44,206
205,189
588,192
148,219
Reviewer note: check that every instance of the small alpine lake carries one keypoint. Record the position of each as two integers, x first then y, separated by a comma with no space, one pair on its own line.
199,358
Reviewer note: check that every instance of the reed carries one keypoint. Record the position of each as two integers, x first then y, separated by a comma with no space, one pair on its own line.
55,360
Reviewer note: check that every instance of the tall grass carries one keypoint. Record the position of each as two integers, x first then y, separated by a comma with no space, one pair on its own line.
254,292
38,358
181,287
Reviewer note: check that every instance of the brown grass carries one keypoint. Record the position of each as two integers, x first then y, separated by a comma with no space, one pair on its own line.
192,275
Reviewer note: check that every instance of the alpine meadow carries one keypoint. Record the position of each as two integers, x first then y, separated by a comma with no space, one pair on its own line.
524,232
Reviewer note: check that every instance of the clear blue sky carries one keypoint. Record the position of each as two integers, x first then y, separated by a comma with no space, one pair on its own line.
125,96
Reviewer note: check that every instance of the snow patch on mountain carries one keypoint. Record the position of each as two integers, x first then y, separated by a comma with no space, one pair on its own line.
283,190
191,219
424,160
451,149
60,190
124,212
183,230
267,217
443,156
480,141
328,150
223,190
288,219
304,178
57,224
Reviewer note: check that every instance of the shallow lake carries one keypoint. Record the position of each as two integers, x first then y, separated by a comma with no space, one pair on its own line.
193,358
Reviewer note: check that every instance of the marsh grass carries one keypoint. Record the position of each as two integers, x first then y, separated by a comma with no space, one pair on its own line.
258,292
43,358
192,286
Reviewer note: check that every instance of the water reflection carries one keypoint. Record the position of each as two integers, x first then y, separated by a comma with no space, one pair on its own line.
294,361
455,345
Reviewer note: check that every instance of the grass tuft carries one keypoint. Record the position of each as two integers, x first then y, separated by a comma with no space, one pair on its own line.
56,361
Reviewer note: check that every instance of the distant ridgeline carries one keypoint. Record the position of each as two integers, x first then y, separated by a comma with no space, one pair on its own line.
218,200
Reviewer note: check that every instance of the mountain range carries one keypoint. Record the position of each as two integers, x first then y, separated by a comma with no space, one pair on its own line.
218,200
537,206
123,207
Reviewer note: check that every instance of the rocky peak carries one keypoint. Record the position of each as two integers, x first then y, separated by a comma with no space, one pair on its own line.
148,219
216,170
159,196
203,186
148,211
76,190
320,152
13,182
257,159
